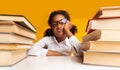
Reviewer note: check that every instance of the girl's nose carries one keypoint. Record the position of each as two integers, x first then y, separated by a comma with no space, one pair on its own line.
59,25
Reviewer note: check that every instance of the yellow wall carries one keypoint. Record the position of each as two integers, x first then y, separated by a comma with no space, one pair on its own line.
37,11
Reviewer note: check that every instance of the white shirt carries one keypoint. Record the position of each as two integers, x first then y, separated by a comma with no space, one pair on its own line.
65,47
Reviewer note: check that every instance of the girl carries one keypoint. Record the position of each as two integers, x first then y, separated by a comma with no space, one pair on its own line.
59,39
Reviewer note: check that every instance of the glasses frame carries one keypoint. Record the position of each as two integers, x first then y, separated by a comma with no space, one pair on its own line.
62,21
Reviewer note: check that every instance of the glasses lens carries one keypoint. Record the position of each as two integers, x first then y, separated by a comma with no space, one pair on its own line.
54,24
64,20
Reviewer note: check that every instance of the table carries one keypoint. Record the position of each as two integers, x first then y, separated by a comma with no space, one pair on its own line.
55,63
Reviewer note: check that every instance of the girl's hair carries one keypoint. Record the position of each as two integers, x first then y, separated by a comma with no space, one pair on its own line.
49,32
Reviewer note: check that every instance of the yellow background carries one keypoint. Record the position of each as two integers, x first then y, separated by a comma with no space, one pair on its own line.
37,11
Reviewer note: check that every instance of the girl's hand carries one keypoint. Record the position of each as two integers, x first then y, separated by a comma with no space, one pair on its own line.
67,28
68,25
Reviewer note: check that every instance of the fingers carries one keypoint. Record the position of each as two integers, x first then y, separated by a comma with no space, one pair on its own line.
68,25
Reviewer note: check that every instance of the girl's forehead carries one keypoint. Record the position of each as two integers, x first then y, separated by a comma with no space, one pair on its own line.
58,17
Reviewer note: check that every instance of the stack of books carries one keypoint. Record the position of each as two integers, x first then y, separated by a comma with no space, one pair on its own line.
103,38
16,37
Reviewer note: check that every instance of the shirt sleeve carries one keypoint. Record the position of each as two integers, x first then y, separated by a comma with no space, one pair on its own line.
76,45
37,49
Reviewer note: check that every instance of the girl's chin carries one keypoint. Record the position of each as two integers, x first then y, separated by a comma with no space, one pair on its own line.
60,34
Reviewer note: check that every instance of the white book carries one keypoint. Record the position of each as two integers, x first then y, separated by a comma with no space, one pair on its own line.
102,35
110,11
19,19
102,58
14,38
103,23
12,27
11,57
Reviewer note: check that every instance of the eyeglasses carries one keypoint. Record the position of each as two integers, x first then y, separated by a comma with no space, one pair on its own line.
62,21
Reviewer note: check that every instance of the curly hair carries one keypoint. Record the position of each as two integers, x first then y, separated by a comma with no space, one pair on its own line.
49,32
61,12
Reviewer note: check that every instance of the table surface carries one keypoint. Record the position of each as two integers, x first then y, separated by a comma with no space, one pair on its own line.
55,63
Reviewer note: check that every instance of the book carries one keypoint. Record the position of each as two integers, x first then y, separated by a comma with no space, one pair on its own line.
19,19
111,11
10,26
103,23
14,46
11,57
112,46
102,35
8,38
101,58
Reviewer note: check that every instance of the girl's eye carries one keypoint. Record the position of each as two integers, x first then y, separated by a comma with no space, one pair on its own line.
54,23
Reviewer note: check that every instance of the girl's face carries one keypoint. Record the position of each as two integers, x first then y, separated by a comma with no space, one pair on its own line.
57,26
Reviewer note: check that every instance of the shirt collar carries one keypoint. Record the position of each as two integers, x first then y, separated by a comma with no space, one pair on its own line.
64,41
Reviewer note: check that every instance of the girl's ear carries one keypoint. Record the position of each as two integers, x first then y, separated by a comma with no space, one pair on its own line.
73,29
